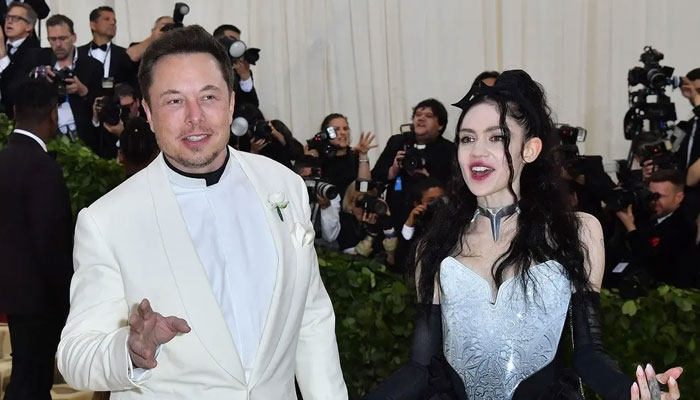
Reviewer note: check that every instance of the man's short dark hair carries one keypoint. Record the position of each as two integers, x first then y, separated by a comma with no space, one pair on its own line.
669,175
485,75
31,14
219,31
95,14
60,19
422,185
694,74
123,90
39,98
188,40
438,110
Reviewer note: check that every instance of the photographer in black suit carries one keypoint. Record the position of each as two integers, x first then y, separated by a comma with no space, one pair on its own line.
666,247
430,155
36,243
243,84
117,65
79,78
19,54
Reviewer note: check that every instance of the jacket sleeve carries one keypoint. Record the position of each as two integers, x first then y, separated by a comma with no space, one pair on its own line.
317,360
386,159
92,354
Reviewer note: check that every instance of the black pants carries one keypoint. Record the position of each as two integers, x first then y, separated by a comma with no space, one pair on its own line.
34,340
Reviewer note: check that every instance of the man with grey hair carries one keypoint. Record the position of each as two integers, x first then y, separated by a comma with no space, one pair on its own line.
19,51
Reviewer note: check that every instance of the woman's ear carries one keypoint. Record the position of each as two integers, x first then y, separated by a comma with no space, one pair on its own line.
532,149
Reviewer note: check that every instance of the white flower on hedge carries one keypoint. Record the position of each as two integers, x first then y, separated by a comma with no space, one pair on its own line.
278,202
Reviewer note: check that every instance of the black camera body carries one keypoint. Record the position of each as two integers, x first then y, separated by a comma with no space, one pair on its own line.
634,192
652,74
112,111
371,204
413,159
60,79
321,142
261,130
432,209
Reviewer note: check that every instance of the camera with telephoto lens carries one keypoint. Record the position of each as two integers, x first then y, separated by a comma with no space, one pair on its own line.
633,192
181,9
321,142
261,130
413,158
372,204
315,187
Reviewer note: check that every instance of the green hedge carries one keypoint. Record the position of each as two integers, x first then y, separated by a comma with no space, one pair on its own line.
374,307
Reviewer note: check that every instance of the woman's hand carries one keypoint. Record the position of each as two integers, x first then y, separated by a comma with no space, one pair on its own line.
647,385
365,143
256,145
277,134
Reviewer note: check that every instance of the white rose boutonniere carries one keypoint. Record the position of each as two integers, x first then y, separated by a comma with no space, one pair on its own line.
278,202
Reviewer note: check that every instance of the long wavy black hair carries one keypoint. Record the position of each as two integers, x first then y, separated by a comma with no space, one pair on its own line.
547,228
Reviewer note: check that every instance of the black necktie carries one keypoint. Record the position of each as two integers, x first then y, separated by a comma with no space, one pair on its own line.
9,48
94,46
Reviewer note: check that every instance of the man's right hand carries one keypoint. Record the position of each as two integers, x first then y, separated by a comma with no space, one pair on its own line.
3,48
413,216
396,166
148,330
96,108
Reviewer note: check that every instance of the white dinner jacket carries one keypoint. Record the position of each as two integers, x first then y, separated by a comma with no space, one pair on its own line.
133,243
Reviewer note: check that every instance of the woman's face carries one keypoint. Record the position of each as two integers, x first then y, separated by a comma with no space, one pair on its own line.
343,131
482,158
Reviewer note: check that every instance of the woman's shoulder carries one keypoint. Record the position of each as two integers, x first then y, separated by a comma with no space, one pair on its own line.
588,223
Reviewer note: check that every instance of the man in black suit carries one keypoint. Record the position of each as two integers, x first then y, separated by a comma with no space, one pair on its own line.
429,123
117,64
689,150
243,76
36,241
75,106
40,6
19,54
666,247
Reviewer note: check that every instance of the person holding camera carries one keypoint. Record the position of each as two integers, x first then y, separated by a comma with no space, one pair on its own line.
109,116
79,80
273,139
365,225
136,50
324,200
429,154
243,84
665,248
137,146
340,164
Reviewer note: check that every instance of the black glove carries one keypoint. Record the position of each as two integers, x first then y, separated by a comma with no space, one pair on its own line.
592,363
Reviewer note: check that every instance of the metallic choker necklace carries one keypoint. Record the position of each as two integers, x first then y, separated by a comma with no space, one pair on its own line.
495,215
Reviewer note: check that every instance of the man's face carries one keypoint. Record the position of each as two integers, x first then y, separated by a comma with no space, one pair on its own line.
106,24
61,40
232,34
131,103
431,194
670,198
190,110
16,25
425,125
696,85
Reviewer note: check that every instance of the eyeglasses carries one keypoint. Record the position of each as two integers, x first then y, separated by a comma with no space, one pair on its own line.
16,18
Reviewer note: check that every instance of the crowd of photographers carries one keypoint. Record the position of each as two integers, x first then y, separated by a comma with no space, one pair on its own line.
649,211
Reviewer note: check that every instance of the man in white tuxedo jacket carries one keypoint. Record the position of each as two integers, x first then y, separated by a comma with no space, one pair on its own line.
197,277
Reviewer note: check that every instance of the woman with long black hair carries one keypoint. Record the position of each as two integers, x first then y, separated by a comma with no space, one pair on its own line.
502,269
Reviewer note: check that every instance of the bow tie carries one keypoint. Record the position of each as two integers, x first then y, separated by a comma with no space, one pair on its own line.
94,46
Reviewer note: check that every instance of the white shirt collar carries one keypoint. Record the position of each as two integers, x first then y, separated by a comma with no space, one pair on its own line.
33,136
665,217
17,42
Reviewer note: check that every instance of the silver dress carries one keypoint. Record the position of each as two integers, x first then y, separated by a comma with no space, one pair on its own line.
494,344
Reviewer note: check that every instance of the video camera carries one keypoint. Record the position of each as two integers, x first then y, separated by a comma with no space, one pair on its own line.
181,9
321,142
651,110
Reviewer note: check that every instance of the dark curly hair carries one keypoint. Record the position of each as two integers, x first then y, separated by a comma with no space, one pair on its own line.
547,229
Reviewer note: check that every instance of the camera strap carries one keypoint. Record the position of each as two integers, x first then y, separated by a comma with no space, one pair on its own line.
495,215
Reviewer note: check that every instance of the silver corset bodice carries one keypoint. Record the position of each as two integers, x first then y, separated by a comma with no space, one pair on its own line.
496,344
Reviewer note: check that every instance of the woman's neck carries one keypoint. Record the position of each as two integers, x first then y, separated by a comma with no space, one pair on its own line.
341,152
